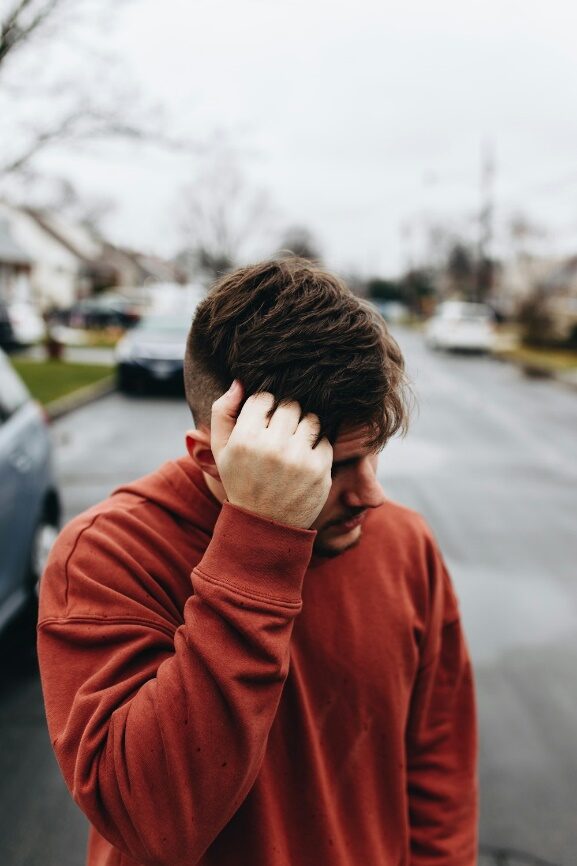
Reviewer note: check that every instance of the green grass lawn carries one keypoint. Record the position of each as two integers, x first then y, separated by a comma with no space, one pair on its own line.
49,380
548,359
107,338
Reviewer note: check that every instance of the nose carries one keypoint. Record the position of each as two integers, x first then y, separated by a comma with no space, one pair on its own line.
363,489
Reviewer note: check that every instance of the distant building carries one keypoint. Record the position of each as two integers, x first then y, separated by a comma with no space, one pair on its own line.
518,278
61,261
59,271
553,281
15,268
140,269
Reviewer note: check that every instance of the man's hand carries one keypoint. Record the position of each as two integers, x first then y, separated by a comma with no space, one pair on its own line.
271,468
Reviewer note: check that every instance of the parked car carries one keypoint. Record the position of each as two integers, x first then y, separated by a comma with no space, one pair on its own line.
101,311
393,312
20,325
461,325
152,353
29,501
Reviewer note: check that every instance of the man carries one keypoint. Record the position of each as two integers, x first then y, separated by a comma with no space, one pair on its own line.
251,656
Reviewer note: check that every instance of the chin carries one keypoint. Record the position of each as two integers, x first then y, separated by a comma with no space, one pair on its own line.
335,546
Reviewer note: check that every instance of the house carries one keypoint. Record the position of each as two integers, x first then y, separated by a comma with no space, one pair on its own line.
15,268
66,261
57,268
139,269
518,278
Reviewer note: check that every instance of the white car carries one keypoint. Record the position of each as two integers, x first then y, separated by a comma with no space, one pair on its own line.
461,325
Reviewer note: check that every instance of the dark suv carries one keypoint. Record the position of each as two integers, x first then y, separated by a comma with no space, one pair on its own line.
29,501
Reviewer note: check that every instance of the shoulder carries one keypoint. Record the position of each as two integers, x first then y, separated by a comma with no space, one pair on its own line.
401,528
403,539
100,526
126,556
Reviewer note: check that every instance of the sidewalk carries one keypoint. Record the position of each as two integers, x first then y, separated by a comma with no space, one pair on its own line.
76,354
80,397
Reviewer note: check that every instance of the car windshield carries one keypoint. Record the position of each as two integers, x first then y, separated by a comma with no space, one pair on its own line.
169,325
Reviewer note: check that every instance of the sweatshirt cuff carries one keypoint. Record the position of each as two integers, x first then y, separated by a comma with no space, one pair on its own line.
255,554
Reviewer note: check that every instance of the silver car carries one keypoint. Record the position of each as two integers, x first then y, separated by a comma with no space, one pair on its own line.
29,502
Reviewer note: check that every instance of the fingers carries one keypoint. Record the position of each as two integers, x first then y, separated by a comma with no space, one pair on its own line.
254,417
309,428
325,449
272,465
254,414
225,411
285,419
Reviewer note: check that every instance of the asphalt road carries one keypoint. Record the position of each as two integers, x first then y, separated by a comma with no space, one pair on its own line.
491,463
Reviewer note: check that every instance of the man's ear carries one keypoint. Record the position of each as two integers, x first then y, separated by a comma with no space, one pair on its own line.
198,447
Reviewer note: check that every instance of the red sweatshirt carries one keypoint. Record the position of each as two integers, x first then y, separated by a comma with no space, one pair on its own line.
217,696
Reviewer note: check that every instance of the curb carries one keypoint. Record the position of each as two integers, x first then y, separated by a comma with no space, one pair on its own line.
82,397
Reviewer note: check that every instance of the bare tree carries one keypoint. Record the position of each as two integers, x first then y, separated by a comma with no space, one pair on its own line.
223,217
43,107
524,234
298,240
21,22
461,268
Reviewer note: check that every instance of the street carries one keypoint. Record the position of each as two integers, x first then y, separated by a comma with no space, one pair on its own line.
490,461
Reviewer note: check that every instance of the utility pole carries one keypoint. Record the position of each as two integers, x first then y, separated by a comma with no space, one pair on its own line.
484,275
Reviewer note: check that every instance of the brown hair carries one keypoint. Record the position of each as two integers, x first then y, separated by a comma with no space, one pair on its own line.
291,328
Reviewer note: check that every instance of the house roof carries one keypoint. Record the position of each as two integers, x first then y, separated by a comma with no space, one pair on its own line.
10,252
71,237
151,268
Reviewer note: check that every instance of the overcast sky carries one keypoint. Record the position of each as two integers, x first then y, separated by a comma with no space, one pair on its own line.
363,120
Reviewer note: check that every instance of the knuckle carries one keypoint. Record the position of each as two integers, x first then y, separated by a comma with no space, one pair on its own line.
264,397
238,445
292,405
313,419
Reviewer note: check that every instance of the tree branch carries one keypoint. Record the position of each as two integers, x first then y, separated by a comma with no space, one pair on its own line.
14,31
91,125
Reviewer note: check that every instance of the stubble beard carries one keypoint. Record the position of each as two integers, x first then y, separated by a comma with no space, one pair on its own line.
326,550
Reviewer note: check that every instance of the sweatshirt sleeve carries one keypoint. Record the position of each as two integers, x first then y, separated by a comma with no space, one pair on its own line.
160,733
442,737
